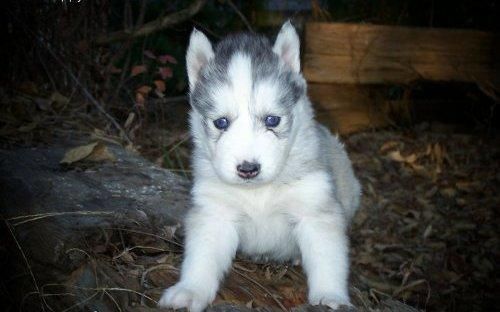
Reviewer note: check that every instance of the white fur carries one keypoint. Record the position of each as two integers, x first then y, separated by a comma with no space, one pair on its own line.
198,55
294,209
287,46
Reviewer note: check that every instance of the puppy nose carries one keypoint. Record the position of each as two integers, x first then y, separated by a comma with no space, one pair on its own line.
248,170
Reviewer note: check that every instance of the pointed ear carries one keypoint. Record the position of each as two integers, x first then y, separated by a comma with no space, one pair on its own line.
287,46
198,55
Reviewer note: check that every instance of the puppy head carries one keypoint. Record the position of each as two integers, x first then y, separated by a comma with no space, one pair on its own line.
245,96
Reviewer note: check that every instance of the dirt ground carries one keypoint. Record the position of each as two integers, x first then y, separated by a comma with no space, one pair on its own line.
427,230
426,234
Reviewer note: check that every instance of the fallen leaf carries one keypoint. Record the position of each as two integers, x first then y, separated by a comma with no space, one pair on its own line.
58,99
160,85
78,153
149,54
396,156
144,90
29,127
43,104
165,72
96,151
169,230
448,192
268,274
129,120
162,259
100,153
165,275
167,58
388,145
139,99
125,256
428,231
159,93
292,296
138,69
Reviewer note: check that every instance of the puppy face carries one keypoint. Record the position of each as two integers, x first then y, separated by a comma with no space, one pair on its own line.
243,98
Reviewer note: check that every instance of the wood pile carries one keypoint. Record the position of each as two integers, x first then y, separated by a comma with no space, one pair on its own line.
350,66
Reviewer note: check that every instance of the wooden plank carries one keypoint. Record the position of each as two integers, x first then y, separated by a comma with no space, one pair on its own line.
348,108
374,54
328,96
347,121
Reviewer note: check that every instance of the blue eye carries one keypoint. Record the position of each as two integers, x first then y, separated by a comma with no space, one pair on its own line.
221,123
272,121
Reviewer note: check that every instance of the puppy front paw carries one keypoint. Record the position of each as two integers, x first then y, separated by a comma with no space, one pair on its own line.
179,296
334,301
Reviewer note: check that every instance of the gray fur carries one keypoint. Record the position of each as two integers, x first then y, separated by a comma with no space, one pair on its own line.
265,65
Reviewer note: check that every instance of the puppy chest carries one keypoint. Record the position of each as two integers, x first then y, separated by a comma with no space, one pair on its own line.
268,235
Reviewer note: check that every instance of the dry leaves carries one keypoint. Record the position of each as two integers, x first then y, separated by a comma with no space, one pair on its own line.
165,72
138,69
160,85
430,240
95,152
428,210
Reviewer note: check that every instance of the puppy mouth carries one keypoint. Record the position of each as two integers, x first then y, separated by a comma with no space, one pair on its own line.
248,175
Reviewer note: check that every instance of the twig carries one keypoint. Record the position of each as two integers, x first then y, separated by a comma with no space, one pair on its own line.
101,109
80,250
47,72
243,18
408,286
38,216
263,288
85,91
176,145
153,268
142,12
25,261
118,289
97,291
124,251
113,299
153,26
148,234
81,302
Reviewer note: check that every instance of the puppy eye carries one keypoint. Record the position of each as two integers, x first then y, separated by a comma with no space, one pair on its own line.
272,121
221,123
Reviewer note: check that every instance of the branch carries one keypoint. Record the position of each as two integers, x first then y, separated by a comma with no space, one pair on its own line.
153,26
243,18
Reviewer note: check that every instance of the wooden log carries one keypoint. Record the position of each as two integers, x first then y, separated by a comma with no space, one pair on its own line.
374,54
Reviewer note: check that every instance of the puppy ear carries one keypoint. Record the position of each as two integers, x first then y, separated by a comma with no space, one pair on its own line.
287,46
198,55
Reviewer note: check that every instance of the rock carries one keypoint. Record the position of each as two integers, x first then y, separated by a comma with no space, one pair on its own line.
52,208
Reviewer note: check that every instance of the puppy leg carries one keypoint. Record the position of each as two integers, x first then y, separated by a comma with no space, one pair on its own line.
324,248
211,245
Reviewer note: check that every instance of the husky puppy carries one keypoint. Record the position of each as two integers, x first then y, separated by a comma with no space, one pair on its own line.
269,181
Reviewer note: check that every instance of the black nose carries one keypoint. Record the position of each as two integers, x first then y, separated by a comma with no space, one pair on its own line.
248,170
